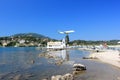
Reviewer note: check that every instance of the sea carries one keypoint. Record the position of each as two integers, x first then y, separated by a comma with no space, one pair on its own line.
25,63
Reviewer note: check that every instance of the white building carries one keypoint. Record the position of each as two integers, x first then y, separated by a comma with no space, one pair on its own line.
4,44
56,45
22,41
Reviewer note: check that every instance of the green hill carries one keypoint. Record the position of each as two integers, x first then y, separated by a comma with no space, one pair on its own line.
30,35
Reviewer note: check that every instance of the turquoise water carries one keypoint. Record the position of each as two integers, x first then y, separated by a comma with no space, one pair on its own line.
26,63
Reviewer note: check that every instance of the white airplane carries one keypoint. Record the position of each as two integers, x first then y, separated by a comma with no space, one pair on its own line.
66,32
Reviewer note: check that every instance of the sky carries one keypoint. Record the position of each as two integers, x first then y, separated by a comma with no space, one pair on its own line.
90,19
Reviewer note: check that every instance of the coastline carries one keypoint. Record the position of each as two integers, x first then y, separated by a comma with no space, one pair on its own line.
107,56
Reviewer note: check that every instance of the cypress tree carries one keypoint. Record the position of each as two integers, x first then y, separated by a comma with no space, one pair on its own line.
67,39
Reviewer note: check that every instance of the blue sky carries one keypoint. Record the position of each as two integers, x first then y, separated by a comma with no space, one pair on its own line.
91,19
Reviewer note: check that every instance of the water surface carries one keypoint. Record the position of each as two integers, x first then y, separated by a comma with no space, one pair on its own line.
18,62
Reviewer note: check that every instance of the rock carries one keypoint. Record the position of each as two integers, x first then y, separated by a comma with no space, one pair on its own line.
76,72
11,77
27,76
32,61
45,79
17,77
67,76
89,57
30,75
58,77
79,67
0,77
59,62
97,50
16,71
86,57
42,55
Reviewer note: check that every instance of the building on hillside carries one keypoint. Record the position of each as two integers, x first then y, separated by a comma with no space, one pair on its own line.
118,42
4,44
22,41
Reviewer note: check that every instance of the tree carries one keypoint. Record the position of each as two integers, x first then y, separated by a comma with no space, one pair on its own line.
67,39
0,44
11,44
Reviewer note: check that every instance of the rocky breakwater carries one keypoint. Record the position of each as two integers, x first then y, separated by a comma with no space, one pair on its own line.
77,68
56,55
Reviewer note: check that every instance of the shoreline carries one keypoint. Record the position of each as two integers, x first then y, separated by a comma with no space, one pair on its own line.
107,56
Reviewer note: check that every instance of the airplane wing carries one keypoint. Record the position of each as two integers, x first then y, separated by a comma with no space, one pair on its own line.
61,32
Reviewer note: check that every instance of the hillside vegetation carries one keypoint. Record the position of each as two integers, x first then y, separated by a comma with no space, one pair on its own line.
34,39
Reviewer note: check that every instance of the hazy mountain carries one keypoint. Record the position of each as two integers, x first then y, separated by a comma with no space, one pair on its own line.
30,35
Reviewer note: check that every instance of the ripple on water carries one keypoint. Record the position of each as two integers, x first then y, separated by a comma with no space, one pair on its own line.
18,65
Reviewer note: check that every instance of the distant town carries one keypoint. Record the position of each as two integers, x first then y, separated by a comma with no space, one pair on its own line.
38,40
24,40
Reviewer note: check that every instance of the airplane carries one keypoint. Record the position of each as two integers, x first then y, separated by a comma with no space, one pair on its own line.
66,32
